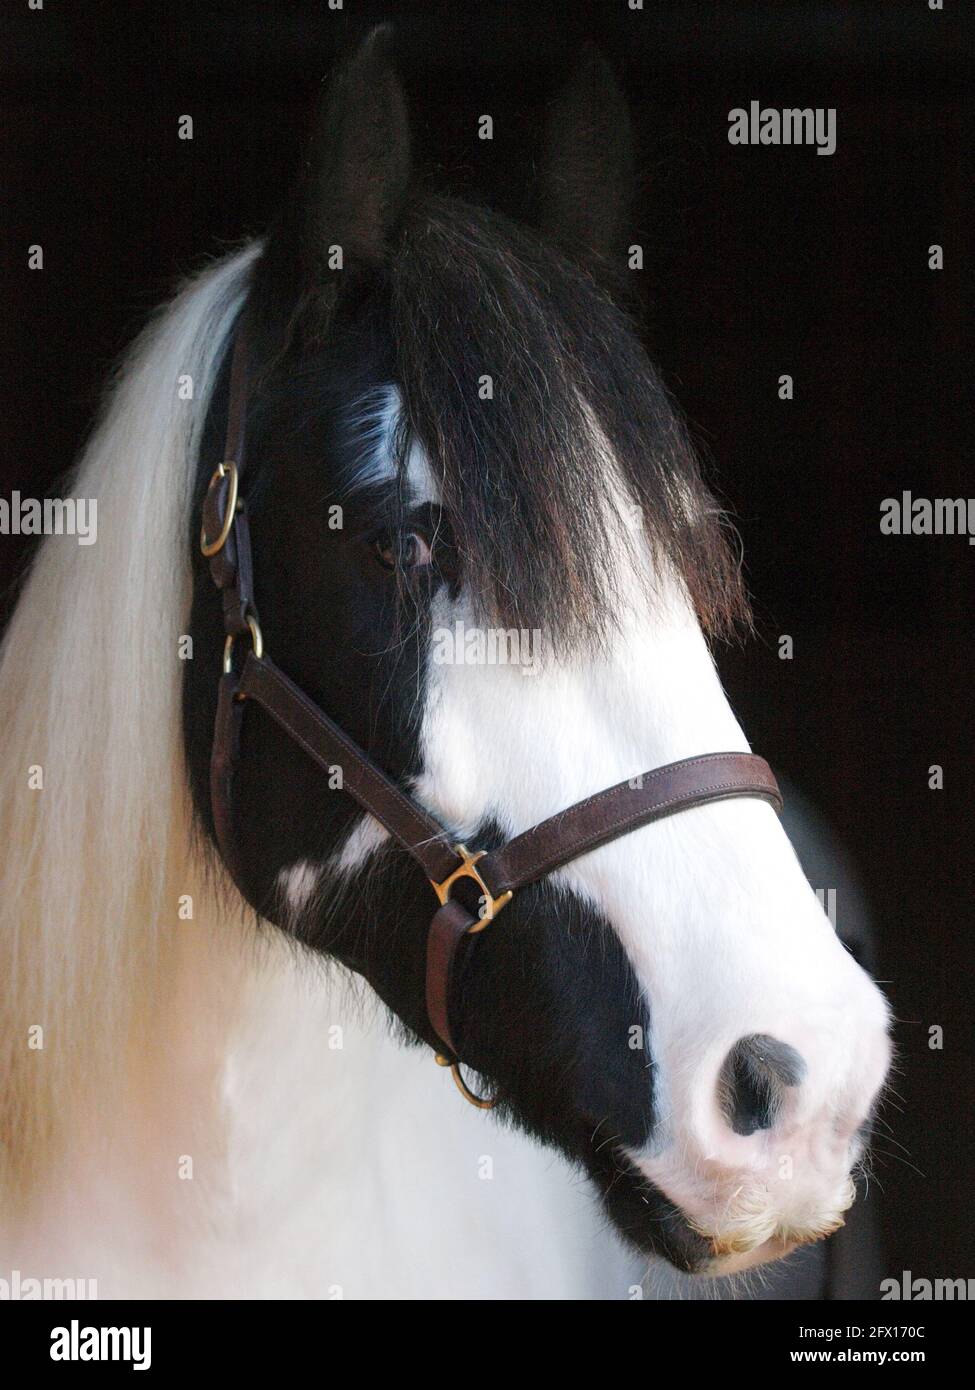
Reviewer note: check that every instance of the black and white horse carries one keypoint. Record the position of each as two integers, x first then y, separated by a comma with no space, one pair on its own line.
483,544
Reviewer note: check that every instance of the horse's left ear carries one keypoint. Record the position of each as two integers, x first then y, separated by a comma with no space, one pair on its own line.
349,197
587,162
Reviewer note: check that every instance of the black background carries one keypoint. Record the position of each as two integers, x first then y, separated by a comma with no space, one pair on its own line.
760,261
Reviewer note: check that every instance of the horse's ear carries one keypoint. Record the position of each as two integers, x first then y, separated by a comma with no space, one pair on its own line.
587,162
350,193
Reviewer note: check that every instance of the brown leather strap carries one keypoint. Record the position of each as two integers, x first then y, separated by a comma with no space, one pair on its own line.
560,839
450,925
620,809
322,739
236,437
224,758
577,830
231,568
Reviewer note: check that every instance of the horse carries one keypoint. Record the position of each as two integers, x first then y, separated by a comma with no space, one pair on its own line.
218,1083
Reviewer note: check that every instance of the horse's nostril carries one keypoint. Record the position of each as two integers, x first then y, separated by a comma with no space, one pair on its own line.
752,1078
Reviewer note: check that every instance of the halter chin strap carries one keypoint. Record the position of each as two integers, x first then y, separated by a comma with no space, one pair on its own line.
497,874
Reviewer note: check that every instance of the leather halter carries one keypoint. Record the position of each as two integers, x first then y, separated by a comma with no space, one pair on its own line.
497,874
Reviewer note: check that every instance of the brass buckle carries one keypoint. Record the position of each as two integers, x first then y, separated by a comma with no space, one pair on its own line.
222,470
490,905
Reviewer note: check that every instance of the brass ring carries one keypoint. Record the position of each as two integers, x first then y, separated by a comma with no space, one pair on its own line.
479,1101
210,548
257,644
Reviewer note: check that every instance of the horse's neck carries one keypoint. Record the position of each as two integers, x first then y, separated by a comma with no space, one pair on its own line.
276,1141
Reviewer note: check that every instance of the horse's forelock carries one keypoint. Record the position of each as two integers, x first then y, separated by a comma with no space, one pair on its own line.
544,421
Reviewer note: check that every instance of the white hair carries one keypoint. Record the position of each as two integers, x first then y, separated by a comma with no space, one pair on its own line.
94,813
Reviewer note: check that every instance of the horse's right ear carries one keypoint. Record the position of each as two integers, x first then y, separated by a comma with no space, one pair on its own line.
349,196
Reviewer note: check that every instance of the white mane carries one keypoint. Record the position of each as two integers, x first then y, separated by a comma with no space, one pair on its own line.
90,682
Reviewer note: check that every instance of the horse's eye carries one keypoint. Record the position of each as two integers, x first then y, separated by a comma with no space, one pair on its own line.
407,550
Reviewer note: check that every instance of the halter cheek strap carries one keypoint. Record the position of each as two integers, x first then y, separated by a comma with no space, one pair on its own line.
496,875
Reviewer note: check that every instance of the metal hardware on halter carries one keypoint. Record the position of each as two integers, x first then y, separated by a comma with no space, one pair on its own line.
257,645
482,1102
523,860
490,905
489,908
223,470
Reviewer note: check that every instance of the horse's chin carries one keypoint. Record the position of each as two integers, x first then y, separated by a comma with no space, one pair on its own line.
777,1248
652,1223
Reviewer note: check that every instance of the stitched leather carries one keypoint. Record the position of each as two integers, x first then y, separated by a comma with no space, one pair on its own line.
450,925
620,809
328,745
223,767
231,568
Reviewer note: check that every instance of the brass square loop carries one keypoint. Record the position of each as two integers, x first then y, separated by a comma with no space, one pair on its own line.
490,905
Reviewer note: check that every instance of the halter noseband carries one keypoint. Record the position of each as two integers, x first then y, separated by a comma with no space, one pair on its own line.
497,874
